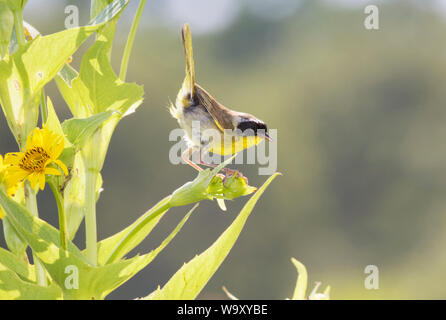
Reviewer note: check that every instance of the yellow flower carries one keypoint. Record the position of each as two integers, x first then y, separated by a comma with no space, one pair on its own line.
43,148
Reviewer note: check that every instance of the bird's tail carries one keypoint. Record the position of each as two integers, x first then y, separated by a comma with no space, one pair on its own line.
188,89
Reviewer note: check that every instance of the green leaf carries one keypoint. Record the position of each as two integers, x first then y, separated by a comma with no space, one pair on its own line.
44,240
6,26
98,6
14,288
94,282
302,281
133,265
26,71
34,230
118,245
74,194
14,242
18,265
109,12
53,123
66,75
97,88
191,278
108,30
78,131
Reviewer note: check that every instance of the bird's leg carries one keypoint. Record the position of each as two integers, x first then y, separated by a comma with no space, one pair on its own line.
232,172
186,157
212,166
227,171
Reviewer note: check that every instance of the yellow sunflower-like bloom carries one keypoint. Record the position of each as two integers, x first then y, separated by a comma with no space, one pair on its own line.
43,149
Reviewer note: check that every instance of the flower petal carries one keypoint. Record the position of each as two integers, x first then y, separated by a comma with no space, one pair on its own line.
62,166
52,171
13,158
37,138
33,179
57,147
14,176
41,180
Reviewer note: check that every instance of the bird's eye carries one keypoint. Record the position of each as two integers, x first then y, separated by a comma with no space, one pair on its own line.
246,125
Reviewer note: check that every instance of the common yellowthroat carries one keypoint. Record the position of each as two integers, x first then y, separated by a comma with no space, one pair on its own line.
235,131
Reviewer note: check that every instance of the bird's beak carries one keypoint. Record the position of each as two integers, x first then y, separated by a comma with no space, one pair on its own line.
267,137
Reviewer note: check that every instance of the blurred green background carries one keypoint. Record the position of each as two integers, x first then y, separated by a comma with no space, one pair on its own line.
361,129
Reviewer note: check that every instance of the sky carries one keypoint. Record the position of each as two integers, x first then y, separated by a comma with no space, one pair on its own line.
213,16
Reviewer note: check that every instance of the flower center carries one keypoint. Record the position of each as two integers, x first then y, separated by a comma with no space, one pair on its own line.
34,159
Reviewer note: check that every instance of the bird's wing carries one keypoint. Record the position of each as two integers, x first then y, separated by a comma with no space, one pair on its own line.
219,113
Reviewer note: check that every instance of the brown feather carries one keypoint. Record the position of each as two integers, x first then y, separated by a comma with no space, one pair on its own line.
221,115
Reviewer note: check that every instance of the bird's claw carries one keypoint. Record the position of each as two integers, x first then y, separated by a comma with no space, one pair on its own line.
236,173
222,176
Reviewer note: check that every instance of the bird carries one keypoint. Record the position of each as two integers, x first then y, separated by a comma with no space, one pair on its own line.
233,131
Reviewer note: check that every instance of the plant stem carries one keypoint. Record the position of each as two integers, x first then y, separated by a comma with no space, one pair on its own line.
18,23
31,205
130,40
91,9
90,216
43,107
62,216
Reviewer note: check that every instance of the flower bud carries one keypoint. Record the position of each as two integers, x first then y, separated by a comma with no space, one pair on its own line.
207,185
234,187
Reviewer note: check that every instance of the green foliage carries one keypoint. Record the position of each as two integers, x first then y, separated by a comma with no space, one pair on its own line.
301,286
118,245
6,26
24,73
96,282
13,240
14,288
19,265
78,131
187,282
302,281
